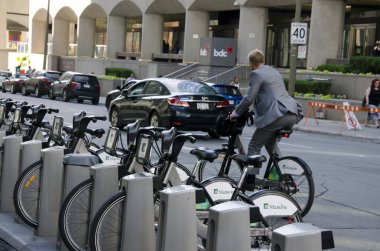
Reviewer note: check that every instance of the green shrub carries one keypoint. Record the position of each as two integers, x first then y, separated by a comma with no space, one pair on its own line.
333,68
119,72
308,86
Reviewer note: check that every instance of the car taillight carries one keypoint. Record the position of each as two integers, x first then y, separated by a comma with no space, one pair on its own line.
45,80
177,102
73,84
222,104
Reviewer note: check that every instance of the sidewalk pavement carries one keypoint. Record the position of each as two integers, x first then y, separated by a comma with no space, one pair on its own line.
330,127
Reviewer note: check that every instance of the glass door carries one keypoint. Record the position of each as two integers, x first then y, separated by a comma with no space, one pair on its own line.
362,39
278,46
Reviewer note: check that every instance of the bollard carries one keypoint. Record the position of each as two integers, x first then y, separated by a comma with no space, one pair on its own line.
138,221
76,169
106,184
9,172
177,228
229,227
50,192
30,153
300,237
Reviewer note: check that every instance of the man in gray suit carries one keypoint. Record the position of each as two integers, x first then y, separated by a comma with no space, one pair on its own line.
274,108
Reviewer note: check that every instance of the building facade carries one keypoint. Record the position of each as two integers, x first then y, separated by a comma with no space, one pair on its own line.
146,29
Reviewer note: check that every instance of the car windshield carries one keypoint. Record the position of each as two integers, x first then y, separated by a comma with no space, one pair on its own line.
227,90
193,87
84,78
5,74
51,75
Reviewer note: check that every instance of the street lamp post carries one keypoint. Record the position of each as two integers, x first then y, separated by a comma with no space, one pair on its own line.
293,54
46,35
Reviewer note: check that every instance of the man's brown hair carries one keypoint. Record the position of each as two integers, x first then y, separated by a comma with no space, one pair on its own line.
256,57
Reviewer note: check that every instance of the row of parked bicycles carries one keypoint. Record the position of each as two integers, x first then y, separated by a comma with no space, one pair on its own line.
284,194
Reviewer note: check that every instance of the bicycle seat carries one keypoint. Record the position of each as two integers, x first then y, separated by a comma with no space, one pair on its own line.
255,160
284,133
204,154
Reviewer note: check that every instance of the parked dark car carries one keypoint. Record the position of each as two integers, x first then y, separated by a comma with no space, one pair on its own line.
75,85
165,102
3,76
230,92
39,82
115,93
13,84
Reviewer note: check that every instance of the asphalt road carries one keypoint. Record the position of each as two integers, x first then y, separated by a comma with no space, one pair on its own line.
346,175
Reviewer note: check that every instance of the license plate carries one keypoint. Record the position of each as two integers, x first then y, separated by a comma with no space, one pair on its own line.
231,102
86,86
202,106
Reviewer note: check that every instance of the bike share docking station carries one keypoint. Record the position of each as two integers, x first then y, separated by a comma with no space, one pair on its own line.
76,169
9,172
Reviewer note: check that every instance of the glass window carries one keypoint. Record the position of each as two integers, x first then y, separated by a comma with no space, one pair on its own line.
136,89
194,87
52,75
153,88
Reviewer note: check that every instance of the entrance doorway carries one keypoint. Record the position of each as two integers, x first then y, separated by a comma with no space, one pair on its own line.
278,47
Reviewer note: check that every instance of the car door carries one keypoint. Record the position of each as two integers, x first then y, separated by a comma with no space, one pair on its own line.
150,99
128,106
28,83
61,83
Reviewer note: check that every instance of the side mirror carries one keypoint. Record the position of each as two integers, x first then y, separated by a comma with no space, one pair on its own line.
118,87
125,93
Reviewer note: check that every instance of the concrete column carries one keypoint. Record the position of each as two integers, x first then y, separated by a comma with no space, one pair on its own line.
196,26
60,37
151,42
251,36
86,37
116,32
3,24
326,31
38,36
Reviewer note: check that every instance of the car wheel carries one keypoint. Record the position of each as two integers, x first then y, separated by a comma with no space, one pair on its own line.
65,96
23,91
51,95
95,101
13,90
115,122
212,133
37,92
3,88
80,101
154,119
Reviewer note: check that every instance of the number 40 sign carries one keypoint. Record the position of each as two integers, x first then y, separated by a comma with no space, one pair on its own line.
298,33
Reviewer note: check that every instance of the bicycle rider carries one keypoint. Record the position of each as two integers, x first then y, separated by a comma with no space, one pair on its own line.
274,108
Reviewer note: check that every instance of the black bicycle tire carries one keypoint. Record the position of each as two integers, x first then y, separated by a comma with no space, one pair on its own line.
17,191
63,214
99,217
309,178
201,171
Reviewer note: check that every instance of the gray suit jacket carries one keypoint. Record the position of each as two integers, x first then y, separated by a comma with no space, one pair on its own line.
266,91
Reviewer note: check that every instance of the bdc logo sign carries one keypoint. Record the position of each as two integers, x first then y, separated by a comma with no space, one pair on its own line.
223,53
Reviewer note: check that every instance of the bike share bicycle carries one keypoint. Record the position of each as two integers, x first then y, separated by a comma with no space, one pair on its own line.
106,228
288,174
26,190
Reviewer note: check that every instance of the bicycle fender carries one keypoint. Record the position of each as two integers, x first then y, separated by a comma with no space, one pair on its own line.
292,165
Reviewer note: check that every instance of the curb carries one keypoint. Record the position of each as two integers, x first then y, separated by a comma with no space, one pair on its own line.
363,138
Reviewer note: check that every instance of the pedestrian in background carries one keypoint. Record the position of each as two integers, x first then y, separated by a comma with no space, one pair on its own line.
235,81
372,100
376,49
131,77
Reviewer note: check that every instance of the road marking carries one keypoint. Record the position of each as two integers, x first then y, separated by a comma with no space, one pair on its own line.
300,146
342,154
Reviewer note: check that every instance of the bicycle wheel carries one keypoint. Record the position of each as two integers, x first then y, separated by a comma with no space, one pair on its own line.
277,209
74,216
211,169
298,181
106,227
26,194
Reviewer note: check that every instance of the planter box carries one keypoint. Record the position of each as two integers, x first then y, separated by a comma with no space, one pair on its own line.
107,85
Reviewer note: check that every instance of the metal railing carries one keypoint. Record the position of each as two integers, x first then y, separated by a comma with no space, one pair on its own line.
241,71
183,71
